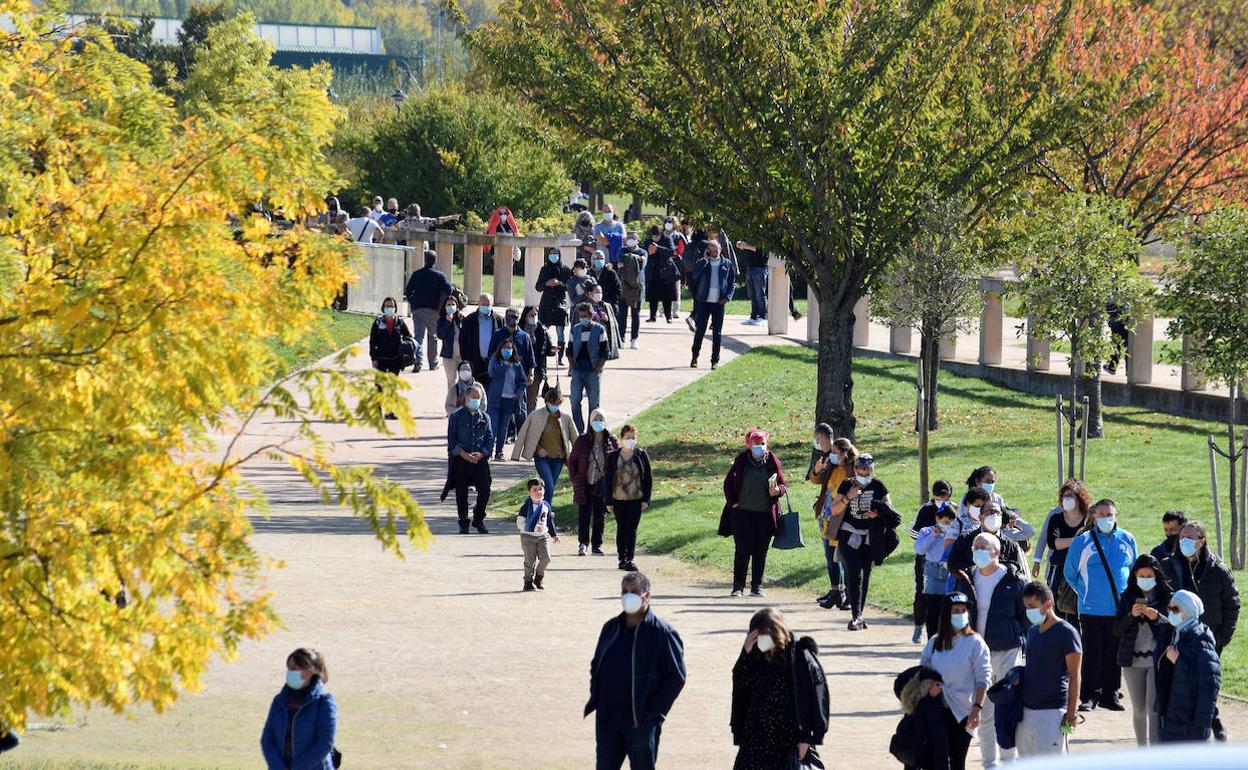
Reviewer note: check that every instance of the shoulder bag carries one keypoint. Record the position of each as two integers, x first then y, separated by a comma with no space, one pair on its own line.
788,528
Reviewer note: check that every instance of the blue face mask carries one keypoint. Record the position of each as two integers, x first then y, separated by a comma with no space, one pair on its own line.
834,459
553,258
1175,618
599,264
988,487
598,425
506,352
958,620
982,558
552,408
473,403
1188,547
294,680
484,310
759,450
584,322
1146,584
1036,616
1105,524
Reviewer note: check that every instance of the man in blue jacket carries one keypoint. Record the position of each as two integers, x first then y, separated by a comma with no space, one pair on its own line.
587,354
1097,567
714,279
637,671
469,440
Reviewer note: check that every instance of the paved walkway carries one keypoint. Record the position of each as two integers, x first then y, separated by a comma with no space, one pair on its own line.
439,661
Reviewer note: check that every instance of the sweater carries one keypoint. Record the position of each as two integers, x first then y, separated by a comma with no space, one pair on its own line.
964,667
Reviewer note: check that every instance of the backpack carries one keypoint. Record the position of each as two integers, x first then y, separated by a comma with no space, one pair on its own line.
909,742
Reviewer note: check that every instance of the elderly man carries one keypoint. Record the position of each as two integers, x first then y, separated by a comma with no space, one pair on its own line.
427,291
996,608
476,333
609,234
637,672
990,520
469,439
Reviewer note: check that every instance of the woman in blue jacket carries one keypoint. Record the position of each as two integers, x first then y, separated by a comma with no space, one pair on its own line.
1188,674
303,720
508,390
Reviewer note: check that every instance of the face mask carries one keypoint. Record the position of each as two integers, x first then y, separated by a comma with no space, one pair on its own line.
389,311
294,680
982,558
631,603
584,322
988,487
865,480
758,450
631,242
607,218
817,447
1188,547
668,226
1105,524
946,528
834,459
1175,618
506,353
450,309
654,238
552,408
530,322
598,425
992,522
579,273
553,258
1036,616
596,296
599,263
1068,503
485,310
473,404
512,322
630,443
958,620
1146,584
765,643
973,512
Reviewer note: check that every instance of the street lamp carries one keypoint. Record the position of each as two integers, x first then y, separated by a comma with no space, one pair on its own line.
398,96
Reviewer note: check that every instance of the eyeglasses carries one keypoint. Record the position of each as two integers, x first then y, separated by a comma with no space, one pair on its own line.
1174,609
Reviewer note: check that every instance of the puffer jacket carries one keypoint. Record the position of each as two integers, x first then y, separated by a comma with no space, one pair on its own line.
1212,580
1007,624
1187,690
315,726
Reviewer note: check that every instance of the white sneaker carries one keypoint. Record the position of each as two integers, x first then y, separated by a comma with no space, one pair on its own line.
582,550
632,345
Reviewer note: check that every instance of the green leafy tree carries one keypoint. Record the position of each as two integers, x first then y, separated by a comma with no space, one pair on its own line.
1206,294
816,129
1071,258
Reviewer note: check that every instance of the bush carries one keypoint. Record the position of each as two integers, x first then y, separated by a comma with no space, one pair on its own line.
453,152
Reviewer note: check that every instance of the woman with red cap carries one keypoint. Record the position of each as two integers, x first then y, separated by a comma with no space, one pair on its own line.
752,492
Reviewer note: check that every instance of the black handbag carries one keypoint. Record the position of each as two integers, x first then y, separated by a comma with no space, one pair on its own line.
788,528
810,762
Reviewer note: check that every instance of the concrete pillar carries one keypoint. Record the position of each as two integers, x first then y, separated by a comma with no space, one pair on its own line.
1193,378
862,322
568,251
899,338
1140,352
1037,351
533,256
502,276
990,323
473,267
777,296
949,348
446,253
812,315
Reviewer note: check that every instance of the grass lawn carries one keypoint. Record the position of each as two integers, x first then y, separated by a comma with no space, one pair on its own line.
981,424
335,331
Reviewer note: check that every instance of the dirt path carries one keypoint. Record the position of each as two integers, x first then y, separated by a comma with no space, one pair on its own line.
439,661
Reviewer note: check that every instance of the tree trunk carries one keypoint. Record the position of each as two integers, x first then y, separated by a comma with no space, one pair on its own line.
1092,388
932,371
1237,526
1075,366
921,413
834,399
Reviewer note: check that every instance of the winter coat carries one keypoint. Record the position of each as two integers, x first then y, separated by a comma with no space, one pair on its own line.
613,464
1007,624
961,559
552,309
1187,690
470,342
658,662
732,489
609,280
386,345
314,729
448,335
1126,627
1213,582
659,289
578,465
631,274
811,703
1084,573
931,714
530,434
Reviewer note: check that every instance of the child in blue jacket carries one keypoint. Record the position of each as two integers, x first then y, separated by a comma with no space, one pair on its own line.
934,544
536,522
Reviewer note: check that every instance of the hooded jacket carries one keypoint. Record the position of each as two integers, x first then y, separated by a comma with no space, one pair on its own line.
1187,690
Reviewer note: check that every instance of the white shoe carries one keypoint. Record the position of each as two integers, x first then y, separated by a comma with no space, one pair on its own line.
750,322
582,550
632,345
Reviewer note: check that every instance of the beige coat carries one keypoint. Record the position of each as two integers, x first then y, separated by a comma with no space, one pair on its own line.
531,433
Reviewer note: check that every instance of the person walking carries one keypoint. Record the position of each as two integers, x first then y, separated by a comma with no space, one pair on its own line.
457,391
506,392
996,607
1197,569
603,312
1189,674
1067,521
716,279
780,700
552,308
587,355
1050,689
546,438
933,544
637,672
449,324
536,522
1097,567
1140,624
755,281
925,518
427,292
303,718
587,467
962,659
539,339
469,439
631,271
476,334
833,466
752,491
628,485
662,274
604,272
386,341
865,508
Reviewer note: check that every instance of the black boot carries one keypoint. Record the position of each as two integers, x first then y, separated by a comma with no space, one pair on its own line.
463,526
559,359
537,583
480,527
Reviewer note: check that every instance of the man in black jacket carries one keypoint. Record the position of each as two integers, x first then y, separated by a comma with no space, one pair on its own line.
637,672
476,333
426,293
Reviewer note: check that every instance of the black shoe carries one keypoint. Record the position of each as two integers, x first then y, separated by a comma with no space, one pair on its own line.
1111,703
830,599
498,457
9,741
630,565
856,624
537,583
693,363
480,527
1219,732
689,323
623,565
844,605
463,527
756,592
528,585
714,365
598,551
1087,705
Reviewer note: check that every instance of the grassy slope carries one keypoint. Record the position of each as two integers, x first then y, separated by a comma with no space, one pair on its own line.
337,330
693,435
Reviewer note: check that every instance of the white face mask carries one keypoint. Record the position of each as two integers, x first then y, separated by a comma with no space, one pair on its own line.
596,296
630,443
1068,503
765,643
631,603
668,226
973,512
607,218
631,242
465,375
578,272
389,311
864,480
992,522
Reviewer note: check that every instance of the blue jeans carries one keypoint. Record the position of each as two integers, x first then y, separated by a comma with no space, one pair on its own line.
500,413
617,740
835,580
583,383
756,279
548,470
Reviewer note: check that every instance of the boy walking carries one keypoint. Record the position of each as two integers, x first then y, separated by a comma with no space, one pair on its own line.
536,522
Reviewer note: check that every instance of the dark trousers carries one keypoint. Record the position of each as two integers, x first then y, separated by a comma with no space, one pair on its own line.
622,313
703,312
751,534
836,580
667,309
1101,675
590,520
857,563
959,741
691,284
627,517
618,740
931,613
464,475
919,609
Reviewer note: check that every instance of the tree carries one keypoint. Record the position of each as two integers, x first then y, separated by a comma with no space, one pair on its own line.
1206,294
816,129
1071,258
134,327
454,151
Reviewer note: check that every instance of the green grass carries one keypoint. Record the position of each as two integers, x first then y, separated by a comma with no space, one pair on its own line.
334,332
1148,463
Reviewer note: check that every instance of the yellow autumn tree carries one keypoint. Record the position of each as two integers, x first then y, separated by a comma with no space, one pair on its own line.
136,311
